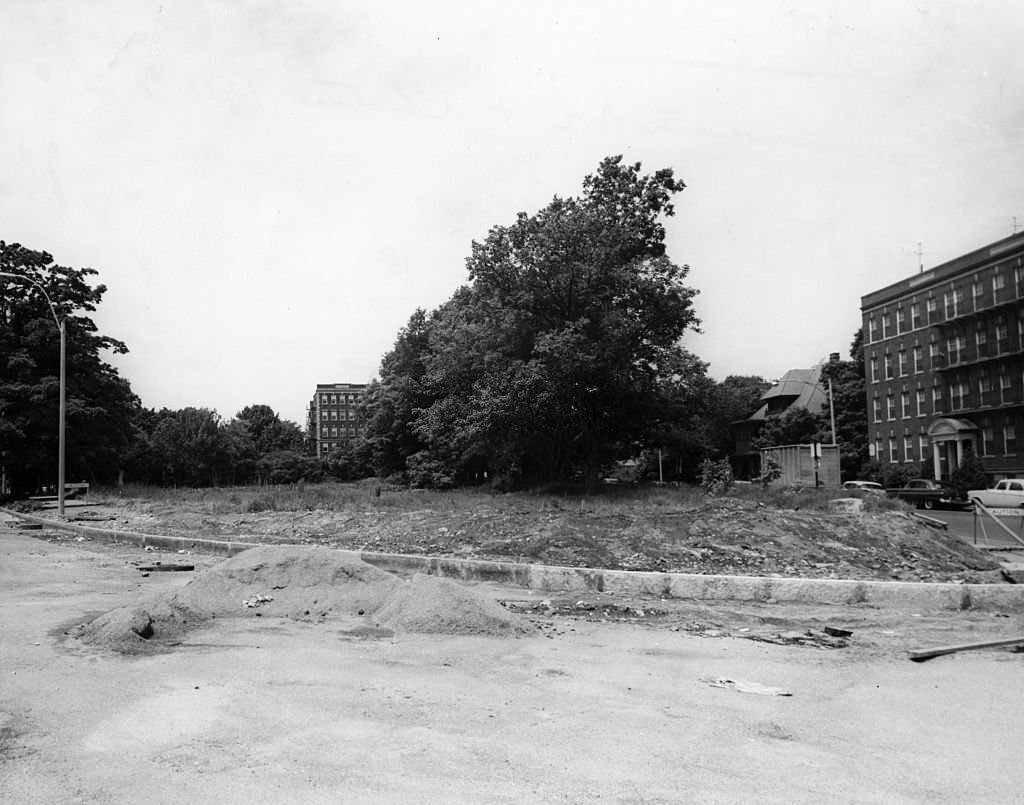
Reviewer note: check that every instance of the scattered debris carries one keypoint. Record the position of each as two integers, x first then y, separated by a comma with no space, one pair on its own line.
926,654
834,631
742,686
159,567
256,600
806,638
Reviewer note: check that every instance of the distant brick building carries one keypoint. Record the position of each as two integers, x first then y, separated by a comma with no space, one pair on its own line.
944,359
333,417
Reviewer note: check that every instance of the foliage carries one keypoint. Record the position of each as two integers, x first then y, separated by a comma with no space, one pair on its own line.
562,353
971,474
850,406
731,401
100,403
795,426
894,476
289,467
716,477
195,447
771,470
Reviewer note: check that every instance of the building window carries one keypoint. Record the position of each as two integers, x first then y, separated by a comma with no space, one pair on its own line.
976,294
905,404
922,446
981,341
324,432
918,359
987,441
1004,388
908,448
936,399
323,399
1009,439
872,329
876,449
874,368
887,360
893,456
1002,336
903,362
890,406
915,315
954,346
876,407
920,402
998,282
886,324
984,389
901,320
957,395
933,309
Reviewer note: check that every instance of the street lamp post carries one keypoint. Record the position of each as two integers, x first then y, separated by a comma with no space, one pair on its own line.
63,388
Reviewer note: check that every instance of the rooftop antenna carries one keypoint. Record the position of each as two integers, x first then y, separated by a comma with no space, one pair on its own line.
920,261
1015,225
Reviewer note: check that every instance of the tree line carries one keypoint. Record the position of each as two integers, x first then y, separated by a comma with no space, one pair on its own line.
560,356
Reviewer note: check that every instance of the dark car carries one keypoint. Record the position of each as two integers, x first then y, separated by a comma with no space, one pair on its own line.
925,493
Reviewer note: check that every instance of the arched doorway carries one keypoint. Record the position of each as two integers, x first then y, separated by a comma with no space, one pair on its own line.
950,439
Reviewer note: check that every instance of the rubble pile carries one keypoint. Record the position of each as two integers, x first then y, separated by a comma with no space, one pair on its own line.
313,584
723,535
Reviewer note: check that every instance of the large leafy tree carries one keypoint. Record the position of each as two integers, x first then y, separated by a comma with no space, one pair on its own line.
561,354
100,403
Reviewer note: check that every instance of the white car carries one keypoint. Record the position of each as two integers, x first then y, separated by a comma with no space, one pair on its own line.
1007,494
864,486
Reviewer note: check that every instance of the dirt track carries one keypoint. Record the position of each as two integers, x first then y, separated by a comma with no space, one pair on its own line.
275,711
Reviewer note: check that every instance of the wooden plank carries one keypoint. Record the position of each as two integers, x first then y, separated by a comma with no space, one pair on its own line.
926,654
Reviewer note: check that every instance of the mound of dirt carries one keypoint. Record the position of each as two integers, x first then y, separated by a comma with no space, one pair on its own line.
434,605
720,535
303,583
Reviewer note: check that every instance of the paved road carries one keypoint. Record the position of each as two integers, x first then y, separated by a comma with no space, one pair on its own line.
988,533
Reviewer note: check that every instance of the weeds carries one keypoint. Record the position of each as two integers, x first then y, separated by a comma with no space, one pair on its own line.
362,496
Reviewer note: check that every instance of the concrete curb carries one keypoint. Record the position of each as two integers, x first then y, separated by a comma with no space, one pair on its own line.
916,596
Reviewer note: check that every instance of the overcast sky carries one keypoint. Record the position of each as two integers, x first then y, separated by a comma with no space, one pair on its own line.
269,189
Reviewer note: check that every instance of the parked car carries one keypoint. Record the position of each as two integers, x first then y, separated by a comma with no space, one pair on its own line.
864,486
927,494
1007,494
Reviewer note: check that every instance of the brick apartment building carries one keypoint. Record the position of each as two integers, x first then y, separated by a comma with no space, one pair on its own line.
944,359
333,417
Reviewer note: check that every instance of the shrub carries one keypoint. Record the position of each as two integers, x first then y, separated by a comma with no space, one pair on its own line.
716,477
970,474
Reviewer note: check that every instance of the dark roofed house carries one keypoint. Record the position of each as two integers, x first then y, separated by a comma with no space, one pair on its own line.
798,388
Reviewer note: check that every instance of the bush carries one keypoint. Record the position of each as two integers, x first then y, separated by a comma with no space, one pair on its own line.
970,474
716,477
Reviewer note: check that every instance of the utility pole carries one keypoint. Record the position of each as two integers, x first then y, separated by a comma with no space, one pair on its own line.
832,412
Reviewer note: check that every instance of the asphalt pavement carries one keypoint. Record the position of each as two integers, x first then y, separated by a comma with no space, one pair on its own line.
977,529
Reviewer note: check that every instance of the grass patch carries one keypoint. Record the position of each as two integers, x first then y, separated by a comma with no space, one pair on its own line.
369,495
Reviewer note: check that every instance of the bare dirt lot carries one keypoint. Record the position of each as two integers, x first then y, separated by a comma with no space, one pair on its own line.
665,532
608,701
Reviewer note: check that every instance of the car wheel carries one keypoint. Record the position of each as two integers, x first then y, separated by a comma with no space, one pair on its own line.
928,504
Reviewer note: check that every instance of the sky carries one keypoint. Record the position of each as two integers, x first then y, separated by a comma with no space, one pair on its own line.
269,189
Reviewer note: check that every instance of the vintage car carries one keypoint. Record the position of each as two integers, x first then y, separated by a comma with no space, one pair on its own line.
1006,494
928,494
864,486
